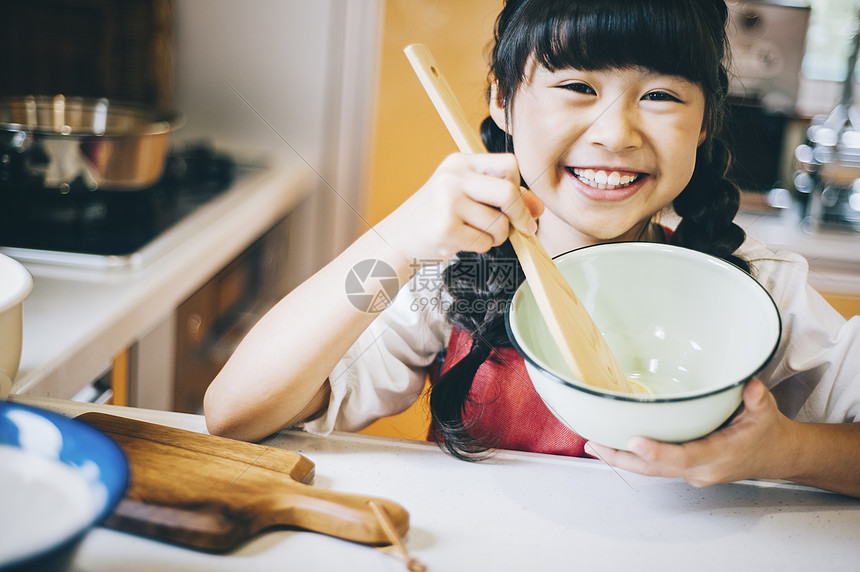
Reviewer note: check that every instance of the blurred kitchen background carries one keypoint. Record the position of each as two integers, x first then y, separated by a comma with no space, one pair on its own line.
326,81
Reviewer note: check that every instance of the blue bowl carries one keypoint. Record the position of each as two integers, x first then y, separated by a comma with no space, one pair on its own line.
35,439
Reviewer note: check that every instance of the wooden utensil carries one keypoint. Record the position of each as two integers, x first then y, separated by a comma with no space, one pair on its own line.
583,346
412,563
213,493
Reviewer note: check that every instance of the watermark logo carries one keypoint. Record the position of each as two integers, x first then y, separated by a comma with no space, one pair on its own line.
371,285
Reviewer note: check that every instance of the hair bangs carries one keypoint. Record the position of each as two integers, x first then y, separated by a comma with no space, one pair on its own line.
666,36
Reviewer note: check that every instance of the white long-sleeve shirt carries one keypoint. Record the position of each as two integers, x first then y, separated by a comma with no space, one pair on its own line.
814,373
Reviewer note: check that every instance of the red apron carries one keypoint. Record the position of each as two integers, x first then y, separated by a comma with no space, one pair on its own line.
506,405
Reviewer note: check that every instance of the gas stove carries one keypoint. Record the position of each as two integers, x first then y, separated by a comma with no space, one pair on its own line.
77,227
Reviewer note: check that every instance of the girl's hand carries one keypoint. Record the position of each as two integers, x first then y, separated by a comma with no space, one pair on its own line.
469,203
755,444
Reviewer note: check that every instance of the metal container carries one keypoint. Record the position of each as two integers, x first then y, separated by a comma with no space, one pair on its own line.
64,143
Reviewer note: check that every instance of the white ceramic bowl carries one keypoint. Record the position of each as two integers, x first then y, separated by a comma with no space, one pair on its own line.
691,327
15,285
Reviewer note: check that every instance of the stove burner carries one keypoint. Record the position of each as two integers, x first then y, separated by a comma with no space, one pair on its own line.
106,222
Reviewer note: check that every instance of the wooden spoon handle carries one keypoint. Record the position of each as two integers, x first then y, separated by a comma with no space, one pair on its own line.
583,346
443,98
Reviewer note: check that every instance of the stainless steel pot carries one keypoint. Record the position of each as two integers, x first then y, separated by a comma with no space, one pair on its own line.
65,142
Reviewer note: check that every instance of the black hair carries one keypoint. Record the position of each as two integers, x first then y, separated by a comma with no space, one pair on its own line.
684,38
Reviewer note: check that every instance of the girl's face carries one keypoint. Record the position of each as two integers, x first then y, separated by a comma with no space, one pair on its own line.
605,150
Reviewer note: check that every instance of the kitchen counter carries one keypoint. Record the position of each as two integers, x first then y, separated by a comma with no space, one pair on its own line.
518,511
77,320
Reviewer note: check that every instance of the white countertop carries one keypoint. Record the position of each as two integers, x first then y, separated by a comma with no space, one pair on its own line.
77,320
519,511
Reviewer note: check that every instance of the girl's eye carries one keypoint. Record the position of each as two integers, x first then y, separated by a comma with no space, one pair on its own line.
578,87
659,96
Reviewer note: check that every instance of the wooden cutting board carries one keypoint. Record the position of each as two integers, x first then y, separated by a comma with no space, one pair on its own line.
213,493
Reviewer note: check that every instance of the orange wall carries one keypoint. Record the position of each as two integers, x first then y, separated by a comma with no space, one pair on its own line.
410,139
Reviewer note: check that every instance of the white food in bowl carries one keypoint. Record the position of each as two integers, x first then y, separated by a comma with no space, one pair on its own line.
15,285
59,477
43,500
691,327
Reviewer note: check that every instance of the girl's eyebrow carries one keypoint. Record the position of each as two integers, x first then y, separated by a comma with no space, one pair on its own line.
675,78
641,71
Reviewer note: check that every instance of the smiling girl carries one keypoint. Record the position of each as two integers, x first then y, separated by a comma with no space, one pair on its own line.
602,116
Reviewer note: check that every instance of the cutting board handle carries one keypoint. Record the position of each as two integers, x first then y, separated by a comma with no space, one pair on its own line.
343,515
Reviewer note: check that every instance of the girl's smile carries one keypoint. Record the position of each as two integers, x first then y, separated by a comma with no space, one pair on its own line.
603,179
607,184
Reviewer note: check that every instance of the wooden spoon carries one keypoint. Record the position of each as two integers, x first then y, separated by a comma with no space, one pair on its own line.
583,346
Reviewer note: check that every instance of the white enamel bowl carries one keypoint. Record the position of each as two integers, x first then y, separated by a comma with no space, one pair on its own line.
691,327
15,285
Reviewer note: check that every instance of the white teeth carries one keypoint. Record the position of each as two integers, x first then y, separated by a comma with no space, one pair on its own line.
602,179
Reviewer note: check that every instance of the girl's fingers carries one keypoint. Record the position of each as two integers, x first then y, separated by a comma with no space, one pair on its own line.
475,240
739,450
625,460
486,220
521,214
496,165
755,395
469,203
532,202
647,457
514,203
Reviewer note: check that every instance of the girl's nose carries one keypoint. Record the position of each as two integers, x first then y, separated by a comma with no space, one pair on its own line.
615,128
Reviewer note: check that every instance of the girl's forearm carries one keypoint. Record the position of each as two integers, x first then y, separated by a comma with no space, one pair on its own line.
827,456
278,374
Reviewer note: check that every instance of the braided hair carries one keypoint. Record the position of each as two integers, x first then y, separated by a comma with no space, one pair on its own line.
674,37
